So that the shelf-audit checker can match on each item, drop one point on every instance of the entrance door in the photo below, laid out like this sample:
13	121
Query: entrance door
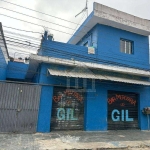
67	109
122	110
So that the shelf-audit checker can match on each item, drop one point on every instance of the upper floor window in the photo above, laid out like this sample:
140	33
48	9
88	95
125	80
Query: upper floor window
126	46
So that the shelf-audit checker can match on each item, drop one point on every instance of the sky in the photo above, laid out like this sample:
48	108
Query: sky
65	9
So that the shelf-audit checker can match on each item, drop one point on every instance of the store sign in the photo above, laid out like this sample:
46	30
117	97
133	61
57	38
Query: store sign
122	110
67	109
118	97
122	115
69	114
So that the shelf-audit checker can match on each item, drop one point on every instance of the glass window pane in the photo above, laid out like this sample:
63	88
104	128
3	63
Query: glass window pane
125	46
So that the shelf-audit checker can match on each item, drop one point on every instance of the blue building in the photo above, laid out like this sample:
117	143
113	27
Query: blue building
97	81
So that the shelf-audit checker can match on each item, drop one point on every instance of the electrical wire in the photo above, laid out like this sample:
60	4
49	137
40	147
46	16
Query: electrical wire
36	24
21	30
22	35
33	10
36	18
58	30
39	12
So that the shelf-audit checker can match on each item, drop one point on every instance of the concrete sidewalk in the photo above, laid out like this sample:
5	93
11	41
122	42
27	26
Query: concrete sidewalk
129	139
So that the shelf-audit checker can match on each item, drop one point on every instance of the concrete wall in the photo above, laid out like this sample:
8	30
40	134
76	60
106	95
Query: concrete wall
121	19
3	66
16	70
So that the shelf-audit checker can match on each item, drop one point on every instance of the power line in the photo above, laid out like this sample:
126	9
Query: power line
21	39
57	30
37	24
22	30
37	18
22	35
39	12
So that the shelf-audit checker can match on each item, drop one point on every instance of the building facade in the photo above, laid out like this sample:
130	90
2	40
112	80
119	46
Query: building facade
97	81
100	78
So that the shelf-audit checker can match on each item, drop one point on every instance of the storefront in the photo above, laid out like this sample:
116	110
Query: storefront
122	110
67	109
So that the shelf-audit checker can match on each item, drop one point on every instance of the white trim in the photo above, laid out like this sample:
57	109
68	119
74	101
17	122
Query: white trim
125	70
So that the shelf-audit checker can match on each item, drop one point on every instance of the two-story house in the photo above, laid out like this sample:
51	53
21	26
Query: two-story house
97	81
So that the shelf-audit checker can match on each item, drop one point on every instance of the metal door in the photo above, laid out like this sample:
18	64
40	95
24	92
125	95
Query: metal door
122	110
67	109
19	104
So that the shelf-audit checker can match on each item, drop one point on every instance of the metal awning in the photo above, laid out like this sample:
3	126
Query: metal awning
90	75
35	60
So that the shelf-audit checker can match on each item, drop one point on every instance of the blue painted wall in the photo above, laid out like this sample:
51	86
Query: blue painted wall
45	109
95	110
109	47
16	70
3	66
65	51
106	41
107	44
96	105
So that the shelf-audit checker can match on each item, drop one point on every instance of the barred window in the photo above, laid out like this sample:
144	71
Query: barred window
126	46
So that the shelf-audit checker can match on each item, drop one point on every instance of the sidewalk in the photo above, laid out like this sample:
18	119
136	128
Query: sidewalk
129	139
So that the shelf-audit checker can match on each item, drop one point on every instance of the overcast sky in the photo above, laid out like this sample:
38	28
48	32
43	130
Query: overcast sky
65	9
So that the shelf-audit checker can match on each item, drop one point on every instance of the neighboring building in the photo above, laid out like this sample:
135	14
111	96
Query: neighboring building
97	81
4	57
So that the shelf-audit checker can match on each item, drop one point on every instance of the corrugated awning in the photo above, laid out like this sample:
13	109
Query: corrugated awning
90	75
